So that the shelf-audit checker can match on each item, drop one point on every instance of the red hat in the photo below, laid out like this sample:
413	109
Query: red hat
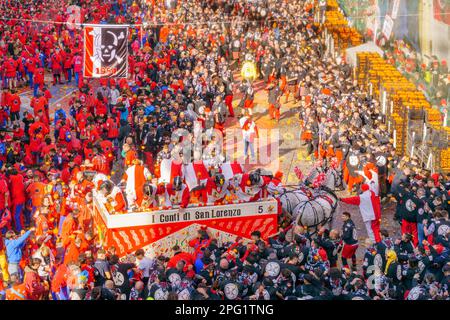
365	187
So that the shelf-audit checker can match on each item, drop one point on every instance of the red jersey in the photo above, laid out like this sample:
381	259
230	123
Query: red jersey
17	189
113	128
3	191
10	67
38	77
14	102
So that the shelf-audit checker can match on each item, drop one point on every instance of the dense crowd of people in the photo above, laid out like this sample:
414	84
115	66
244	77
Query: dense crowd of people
181	70
431	76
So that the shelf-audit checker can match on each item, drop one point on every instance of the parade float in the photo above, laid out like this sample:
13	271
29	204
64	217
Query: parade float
157	231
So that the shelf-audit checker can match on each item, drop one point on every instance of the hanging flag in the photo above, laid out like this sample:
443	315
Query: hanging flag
195	173
170	169
230	169
106	51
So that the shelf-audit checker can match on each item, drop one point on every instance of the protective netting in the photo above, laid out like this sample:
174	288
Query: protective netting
332	177
309	208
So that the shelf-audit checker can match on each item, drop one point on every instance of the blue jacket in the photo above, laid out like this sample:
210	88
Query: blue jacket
14	247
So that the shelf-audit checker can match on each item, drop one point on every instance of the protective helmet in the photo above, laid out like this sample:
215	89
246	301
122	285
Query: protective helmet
177	183
255	177
219	179
107	185
148	189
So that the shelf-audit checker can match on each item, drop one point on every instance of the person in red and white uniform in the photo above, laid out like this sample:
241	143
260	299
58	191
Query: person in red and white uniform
151	193
248	186
215	189
249	133
370	208
274	187
135	177
177	193
370	174
112	197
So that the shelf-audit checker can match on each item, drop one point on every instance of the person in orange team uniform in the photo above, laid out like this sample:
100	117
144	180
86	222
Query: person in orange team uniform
70	227
36	192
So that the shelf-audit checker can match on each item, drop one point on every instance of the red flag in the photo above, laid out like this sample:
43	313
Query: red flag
230	169
194	173
170	169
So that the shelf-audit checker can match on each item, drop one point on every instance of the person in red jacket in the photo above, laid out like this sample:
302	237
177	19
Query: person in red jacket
57	65
38	79
18	132
35	288
77	63
4	97
10	66
178	256
18	198
4	194
113	130
30	68
38	103
108	151
14	104
68	65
